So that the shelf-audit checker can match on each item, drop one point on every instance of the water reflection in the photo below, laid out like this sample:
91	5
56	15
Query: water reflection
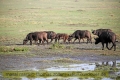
55	79
111	63
24	78
112	66
108	63
74	67
84	66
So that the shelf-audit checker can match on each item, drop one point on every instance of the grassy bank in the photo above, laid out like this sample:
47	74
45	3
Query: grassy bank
14	49
17	18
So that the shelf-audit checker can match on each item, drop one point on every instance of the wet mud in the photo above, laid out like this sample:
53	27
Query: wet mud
44	58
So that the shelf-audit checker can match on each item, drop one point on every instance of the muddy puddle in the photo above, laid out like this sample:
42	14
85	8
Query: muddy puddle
85	71
74	67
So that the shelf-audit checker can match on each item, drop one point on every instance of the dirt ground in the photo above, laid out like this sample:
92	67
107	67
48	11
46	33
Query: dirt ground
41	57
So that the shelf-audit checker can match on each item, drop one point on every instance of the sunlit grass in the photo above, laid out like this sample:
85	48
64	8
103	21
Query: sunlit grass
7	49
18	18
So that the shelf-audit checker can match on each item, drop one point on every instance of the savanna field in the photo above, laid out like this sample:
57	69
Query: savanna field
20	17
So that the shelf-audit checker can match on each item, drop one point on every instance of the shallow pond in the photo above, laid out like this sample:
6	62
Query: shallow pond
83	71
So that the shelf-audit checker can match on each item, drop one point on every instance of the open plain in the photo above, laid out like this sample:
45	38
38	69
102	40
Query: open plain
20	17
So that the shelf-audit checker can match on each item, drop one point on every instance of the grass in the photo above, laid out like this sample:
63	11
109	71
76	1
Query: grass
66	60
107	68
18	18
59	75
12	49
57	46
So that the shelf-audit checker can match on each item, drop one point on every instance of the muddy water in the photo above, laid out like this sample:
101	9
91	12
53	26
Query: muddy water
112	66
80	57
74	67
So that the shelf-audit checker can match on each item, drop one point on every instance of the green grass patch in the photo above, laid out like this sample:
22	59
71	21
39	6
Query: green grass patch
61	46
62	74
18	18
20	49
57	46
12	49
66	60
107	68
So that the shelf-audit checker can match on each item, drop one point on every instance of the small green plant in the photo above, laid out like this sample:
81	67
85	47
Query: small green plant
69	47
5	49
12	49
57	46
118	78
66	60
20	49
107	68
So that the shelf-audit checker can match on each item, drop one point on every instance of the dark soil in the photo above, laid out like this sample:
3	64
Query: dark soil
41	57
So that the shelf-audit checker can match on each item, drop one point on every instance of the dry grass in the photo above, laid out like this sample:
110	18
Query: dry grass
66	60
